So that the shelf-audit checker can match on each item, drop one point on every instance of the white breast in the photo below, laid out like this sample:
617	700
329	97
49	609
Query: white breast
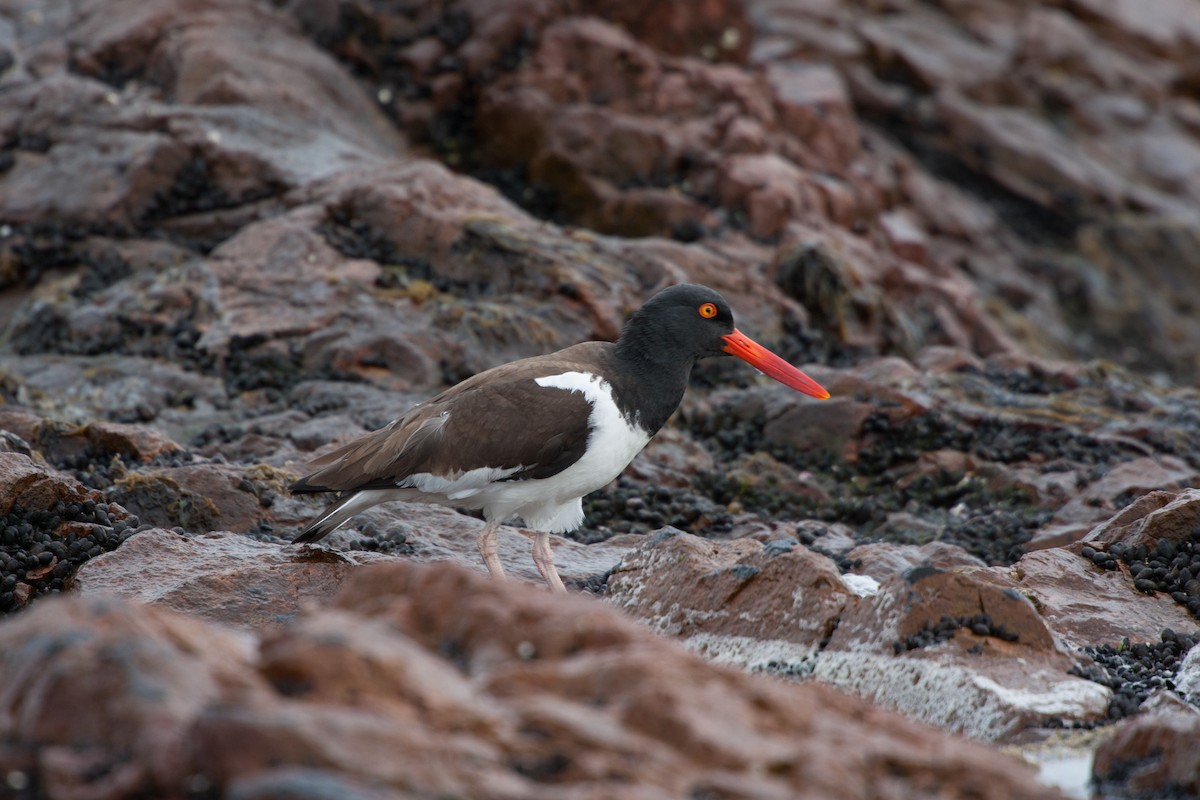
613	441
553	503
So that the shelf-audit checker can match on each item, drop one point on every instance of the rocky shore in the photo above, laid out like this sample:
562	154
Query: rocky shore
235	233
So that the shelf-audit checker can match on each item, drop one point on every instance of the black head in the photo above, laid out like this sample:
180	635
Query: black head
679	324
686	322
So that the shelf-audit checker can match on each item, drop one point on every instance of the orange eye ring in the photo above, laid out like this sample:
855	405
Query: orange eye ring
707	310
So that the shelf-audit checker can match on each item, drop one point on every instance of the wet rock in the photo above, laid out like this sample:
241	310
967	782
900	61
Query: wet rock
220	577
150	674
1159	515
986	699
31	486
882	560
121	388
697	589
66	444
226	241
236	579
1086	604
922	596
50	524
1138	262
970	652
671	459
482	687
197	497
1153	755
1137	671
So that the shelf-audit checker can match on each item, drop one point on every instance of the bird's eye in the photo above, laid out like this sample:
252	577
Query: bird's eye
707	310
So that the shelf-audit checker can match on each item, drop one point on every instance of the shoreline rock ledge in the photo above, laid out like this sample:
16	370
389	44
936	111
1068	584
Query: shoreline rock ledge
432	680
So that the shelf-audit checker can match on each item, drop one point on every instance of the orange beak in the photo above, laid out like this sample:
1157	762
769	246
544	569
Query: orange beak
740	345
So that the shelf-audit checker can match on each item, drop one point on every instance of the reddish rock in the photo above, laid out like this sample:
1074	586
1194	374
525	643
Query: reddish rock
233	579
1158	515
671	459
830	427
815	107
762	472
769	190
32	487
197	497
882	560
717	29
20	423
904	237
131	441
1088	606
922	596
1083	510
221	577
1154	755
439	681
688	586
963	649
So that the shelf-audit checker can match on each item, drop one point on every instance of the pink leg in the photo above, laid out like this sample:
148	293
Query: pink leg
543	557
489	548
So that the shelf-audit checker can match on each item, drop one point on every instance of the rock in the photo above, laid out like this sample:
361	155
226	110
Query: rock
827	427
1153	755
1187	680
882	560
904	237
150	674
671	459
128	440
31	487
122	387
224	252
236	580
963	649
1157	515
1087	605
911	605
1139	260
96	441
220	577
196	497
930	52
473	687
815	107
997	701
692	588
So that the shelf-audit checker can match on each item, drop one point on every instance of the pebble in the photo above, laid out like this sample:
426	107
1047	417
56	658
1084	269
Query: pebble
29	543
931	634
1134	670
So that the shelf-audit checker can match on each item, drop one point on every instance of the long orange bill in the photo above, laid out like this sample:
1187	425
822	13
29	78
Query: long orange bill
740	345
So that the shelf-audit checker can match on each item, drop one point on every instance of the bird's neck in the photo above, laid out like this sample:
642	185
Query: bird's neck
653	383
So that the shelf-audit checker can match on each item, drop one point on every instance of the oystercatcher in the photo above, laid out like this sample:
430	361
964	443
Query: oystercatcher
531	438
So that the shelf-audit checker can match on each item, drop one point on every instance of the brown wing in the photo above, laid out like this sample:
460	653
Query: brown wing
499	419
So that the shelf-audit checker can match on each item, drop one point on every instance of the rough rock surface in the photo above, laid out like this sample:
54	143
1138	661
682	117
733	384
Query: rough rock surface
235	233
1154	755
423	681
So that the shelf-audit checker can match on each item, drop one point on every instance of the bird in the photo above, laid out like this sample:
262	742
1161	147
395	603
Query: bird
531	438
